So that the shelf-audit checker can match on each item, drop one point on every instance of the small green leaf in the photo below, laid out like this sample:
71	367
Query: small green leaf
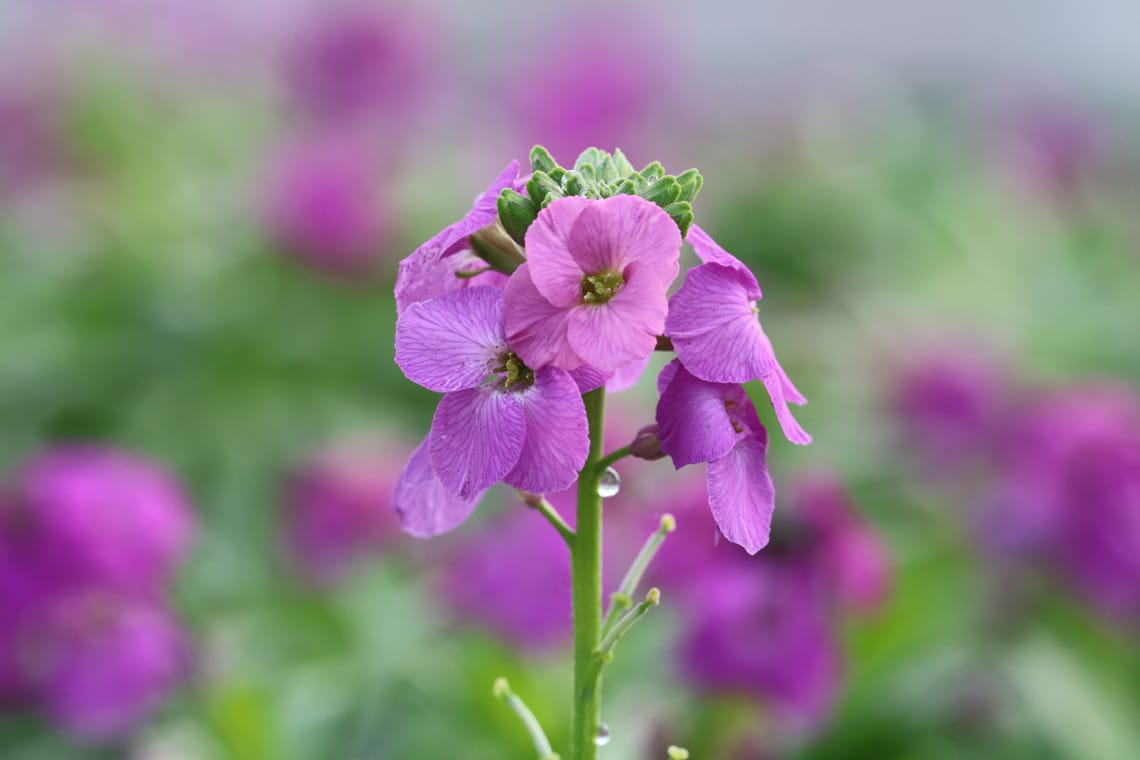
682	213
517	213
653	172
662	192
541	160
573	184
542	189
690	182
589	157
622	165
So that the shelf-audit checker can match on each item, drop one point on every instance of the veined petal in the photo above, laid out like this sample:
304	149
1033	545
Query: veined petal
554	271
741	494
694	424
589	378
425	507
624	328
476	437
557	434
611	233
774	384
483	212
536	329
710	252
452	341
627	375
425	274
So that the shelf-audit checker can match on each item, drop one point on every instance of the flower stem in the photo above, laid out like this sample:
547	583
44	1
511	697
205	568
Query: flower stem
605	651
622	599
502	690
547	510
586	577
612	457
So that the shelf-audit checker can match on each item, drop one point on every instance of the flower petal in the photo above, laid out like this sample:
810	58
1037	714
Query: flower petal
483	212
774	384
557	434
452	341
627	375
610	234
425	274
476	437
425	507
589	378
741	494
710	252
623	329
553	269
694	425
536	329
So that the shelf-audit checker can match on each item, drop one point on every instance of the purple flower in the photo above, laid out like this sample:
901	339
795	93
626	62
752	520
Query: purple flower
1069	493
716	423
359	61
102	516
324	207
340	507
766	632
499	419
713	326
425	506
98	663
432	269
514	579
593	290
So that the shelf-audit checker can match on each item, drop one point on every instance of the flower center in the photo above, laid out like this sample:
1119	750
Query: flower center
513	374
601	287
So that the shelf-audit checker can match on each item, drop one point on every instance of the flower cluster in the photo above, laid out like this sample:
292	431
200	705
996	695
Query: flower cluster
558	283
88	541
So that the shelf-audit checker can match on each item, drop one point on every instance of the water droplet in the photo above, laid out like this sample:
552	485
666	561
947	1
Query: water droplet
609	484
603	737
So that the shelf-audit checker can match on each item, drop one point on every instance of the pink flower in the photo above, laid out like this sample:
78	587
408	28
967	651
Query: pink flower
713	326
716	423
593	290
499	419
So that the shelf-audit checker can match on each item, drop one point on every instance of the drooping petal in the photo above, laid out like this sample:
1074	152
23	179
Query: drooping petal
611	233
741	494
694	425
476	437
483	212
774	384
589	378
623	329
554	270
453	341
536	329
425	507
557	434
710	252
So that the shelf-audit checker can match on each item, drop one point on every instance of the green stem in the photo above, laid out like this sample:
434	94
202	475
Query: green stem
586	577
612	457
547	510
605	651
502	690
622	599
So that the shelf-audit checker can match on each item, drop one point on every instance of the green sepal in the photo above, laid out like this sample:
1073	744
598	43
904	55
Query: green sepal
541	160
573	183
498	258
542	189
516	212
691	182
625	187
682	213
662	192
653	172
622	165
589	157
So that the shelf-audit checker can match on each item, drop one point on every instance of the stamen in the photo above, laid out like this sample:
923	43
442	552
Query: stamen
601	287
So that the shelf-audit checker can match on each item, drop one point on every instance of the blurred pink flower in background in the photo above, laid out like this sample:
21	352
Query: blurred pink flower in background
89	539
1068	493
325	205
360	61
31	144
1050	148
339	506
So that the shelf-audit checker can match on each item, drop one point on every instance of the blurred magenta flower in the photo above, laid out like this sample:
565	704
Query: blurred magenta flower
1050	148
339	506
98	663
101	516
325	206
593	290
512	578
360	60
1069	492
950	408
32	146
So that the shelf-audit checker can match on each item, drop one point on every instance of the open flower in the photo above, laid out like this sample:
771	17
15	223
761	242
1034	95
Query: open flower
499	419
716	423
435	267
593	290
713	327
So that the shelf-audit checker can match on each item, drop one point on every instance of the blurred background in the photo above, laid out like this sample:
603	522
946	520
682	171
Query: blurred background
202	205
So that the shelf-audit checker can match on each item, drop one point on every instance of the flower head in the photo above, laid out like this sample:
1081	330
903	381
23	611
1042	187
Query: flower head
593	290
499	419
713	326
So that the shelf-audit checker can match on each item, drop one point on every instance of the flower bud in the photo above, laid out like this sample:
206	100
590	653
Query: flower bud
646	444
